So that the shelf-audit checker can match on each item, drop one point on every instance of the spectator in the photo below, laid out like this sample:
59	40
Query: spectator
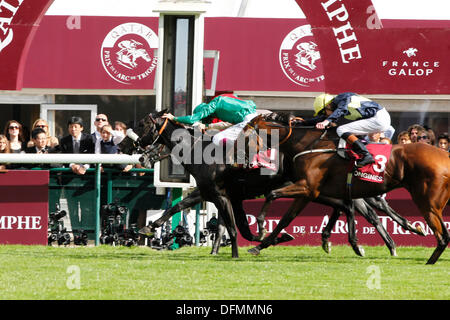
443	141
423	137
374	137
39	138
431	135
77	142
4	148
413	132
120	126
109	146
403	138
101	120
43	124
14	134
385	140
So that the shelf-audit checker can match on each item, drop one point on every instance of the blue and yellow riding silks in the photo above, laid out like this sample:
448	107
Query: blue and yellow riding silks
225	108
353	107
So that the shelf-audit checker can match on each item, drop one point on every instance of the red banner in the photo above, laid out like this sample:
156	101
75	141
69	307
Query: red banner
93	53
24	207
18	22
308	225
358	54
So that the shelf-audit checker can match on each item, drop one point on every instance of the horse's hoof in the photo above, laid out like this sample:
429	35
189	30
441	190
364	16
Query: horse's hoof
420	231
359	251
362	253
326	246
254	251
394	252
146	231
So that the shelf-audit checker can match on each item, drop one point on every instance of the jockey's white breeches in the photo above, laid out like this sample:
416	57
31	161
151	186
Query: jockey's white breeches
231	134
378	123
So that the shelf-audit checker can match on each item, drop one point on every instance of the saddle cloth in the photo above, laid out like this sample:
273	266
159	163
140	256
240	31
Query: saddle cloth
265	159
373	172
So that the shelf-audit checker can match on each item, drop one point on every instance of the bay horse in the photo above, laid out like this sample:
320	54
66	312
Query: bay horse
253	184
423	170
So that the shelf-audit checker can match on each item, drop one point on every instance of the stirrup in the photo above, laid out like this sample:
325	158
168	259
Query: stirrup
365	161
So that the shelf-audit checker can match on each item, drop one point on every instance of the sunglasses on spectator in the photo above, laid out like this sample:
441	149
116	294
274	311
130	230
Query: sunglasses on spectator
41	126
422	137
13	127
100	119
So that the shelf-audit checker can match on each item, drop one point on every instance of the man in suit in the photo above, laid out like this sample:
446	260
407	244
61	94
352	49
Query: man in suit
77	142
39	138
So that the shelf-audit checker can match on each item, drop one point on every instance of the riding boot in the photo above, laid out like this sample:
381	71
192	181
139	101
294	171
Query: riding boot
361	150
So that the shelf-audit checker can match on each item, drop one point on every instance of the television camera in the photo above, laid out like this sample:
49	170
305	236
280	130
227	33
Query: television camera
56	230
114	226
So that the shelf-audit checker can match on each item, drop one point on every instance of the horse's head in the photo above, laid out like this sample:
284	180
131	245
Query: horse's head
144	134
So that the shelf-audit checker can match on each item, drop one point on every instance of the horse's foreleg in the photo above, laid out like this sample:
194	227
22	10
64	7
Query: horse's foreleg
218	236
241	220
260	219
191	200
326	232
296	207
225	209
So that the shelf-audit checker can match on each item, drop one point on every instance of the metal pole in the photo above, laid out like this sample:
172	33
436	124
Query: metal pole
98	184
197	224
177	195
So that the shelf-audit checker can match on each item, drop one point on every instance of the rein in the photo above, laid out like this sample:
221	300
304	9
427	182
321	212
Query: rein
312	144
312	151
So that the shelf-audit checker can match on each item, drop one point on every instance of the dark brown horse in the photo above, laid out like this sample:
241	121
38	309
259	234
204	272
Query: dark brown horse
421	169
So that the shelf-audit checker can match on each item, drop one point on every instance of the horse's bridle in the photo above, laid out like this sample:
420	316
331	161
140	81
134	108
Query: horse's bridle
153	152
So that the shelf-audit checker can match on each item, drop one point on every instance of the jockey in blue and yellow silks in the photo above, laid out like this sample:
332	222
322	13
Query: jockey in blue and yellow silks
362	115
225	107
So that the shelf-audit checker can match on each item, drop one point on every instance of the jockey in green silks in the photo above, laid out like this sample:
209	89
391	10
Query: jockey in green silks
236	113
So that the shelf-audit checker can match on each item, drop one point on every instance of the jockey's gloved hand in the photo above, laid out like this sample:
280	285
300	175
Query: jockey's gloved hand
200	126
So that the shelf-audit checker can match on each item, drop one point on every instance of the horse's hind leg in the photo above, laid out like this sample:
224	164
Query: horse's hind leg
382	205
441	234
370	215
431	206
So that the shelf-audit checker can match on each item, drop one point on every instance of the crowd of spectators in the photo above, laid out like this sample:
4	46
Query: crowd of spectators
414	134
104	140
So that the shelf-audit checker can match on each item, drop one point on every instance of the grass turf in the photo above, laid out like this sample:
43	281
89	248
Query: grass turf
191	273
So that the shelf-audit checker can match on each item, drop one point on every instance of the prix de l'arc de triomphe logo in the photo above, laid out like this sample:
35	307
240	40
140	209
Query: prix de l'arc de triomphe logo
300	57
128	52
